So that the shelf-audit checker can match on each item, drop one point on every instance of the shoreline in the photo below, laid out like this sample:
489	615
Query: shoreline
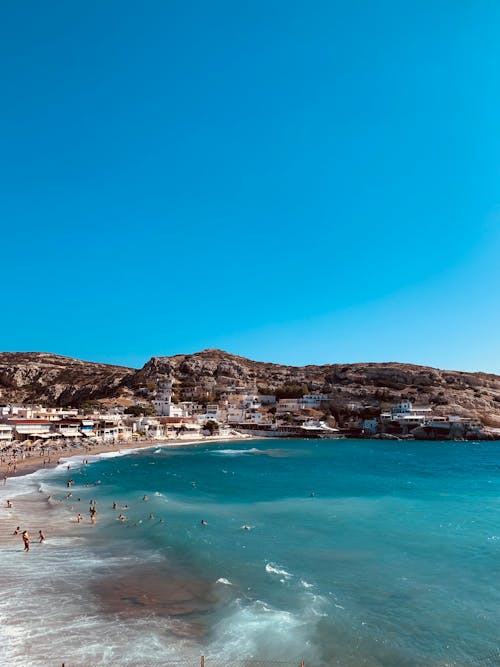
19	467
31	508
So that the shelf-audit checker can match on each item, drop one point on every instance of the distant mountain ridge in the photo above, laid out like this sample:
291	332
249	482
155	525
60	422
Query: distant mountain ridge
35	377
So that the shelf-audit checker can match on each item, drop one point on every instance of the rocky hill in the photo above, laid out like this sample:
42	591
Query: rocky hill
37	377
362	388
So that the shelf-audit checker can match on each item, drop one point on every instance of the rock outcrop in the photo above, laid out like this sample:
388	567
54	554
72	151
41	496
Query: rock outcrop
37	377
362	388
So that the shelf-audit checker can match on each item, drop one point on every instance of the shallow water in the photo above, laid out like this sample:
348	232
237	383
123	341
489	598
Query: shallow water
392	562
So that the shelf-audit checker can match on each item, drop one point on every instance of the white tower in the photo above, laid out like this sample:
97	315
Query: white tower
163	399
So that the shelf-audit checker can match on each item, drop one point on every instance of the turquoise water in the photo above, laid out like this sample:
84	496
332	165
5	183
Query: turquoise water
359	553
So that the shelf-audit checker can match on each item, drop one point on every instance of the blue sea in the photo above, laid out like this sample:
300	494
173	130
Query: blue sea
349	553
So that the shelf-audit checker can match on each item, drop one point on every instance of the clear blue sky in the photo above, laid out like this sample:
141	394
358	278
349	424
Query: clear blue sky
299	182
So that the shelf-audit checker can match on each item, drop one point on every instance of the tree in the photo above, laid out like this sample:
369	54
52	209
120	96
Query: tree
291	391
211	426
89	406
138	410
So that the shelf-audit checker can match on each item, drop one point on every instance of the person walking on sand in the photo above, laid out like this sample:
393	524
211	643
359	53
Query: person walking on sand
26	540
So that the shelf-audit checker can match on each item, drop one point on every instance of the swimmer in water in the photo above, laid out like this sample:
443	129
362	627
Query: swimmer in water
204	523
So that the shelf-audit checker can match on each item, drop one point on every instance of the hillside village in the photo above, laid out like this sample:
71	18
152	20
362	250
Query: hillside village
158	413
48	398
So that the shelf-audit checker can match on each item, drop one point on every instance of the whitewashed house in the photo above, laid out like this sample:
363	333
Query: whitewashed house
163	401
314	400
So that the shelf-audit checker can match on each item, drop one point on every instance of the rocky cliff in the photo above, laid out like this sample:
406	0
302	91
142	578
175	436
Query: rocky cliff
37	377
362	388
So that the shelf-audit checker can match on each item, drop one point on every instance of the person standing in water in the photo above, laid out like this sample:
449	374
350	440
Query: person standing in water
26	540
42	537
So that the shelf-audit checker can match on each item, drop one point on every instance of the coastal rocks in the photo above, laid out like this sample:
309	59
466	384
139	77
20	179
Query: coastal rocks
455	432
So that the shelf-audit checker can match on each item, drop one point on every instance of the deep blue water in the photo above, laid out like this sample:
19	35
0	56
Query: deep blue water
375	553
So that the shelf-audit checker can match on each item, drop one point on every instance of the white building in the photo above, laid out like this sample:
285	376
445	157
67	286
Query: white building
251	401
32	429
6	432
37	412
289	405
235	415
212	411
163	401
150	426
407	415
314	400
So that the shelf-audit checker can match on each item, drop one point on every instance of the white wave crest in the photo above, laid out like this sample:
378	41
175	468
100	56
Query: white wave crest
272	568
236	452
226	582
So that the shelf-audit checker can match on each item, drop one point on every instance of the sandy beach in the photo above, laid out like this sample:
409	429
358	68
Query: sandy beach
32	459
